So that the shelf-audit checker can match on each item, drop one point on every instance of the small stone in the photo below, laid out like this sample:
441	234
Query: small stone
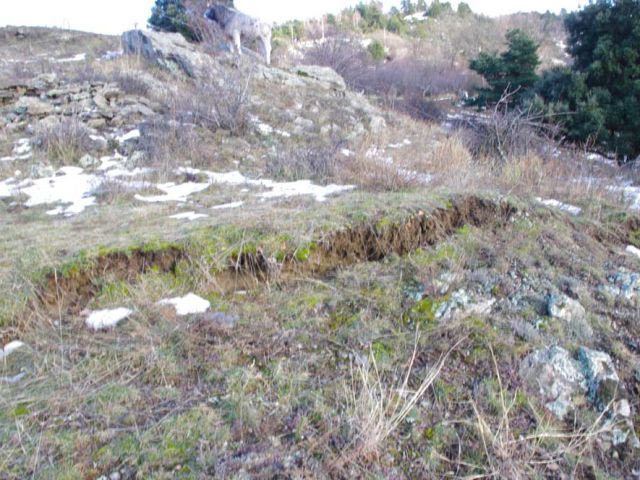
97	123
33	106
115	476
377	124
88	161
221	319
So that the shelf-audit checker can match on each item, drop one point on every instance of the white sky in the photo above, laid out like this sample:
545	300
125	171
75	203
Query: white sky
116	16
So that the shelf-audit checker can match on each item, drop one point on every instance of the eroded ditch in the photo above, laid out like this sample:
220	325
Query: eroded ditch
70	291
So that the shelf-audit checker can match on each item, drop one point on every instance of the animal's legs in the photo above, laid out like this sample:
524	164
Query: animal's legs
266	44
237	43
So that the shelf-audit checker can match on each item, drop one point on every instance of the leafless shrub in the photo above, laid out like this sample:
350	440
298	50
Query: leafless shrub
315	160
220	103
65	141
166	143
509	132
345	55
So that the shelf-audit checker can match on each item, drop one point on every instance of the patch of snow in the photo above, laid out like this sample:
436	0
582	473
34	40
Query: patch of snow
264	129
21	151
123	172
188	305
228	205
13	379
9	348
112	54
573	210
174	193
558	62
302	187
596	157
80	57
632	194
191	216
69	186
103	319
404	143
633	250
133	134
235	178
346	152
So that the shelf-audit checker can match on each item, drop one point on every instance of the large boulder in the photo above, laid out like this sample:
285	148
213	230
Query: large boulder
555	376
166	50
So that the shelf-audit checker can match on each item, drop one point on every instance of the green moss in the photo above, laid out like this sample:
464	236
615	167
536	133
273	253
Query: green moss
382	351
302	254
634	238
424	311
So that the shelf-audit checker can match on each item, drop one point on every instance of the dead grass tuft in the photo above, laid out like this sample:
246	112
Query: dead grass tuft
63	142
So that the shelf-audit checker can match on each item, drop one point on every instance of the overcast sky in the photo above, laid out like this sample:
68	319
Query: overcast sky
116	16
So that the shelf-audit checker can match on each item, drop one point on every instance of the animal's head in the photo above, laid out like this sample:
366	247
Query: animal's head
218	13
210	13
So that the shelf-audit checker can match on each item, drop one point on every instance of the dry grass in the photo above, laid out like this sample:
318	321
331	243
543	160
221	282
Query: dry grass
376	410
501	444
63	142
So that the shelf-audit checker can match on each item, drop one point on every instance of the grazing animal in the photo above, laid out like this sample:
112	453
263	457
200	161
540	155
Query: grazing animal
236	25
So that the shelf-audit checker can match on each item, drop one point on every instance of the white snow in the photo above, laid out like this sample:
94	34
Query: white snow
573	210
9	348
187	305
80	57
276	189
133	134
404	143
191	216
633	251
102	319
21	151
228	205
632	194
301	187
69	186
174	193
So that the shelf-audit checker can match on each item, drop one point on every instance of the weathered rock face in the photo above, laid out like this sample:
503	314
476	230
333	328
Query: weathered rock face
572	313
166	50
48	100
555	376
601	376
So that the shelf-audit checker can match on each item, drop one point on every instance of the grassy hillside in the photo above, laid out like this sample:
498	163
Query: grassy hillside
260	273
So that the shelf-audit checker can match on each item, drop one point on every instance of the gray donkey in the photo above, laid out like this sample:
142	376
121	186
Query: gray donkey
236	25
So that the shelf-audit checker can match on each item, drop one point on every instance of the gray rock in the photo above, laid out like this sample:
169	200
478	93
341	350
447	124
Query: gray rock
565	308
623	284
97	123
572	312
42	171
555	376
33	106
169	51
221	320
377	124
325	77
87	161
601	376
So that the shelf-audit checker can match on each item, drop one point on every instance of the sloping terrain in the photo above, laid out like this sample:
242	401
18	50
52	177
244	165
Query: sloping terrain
214	269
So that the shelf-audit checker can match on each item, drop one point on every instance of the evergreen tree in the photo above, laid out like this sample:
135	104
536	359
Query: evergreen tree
464	9
171	16
604	41
407	7
512	71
